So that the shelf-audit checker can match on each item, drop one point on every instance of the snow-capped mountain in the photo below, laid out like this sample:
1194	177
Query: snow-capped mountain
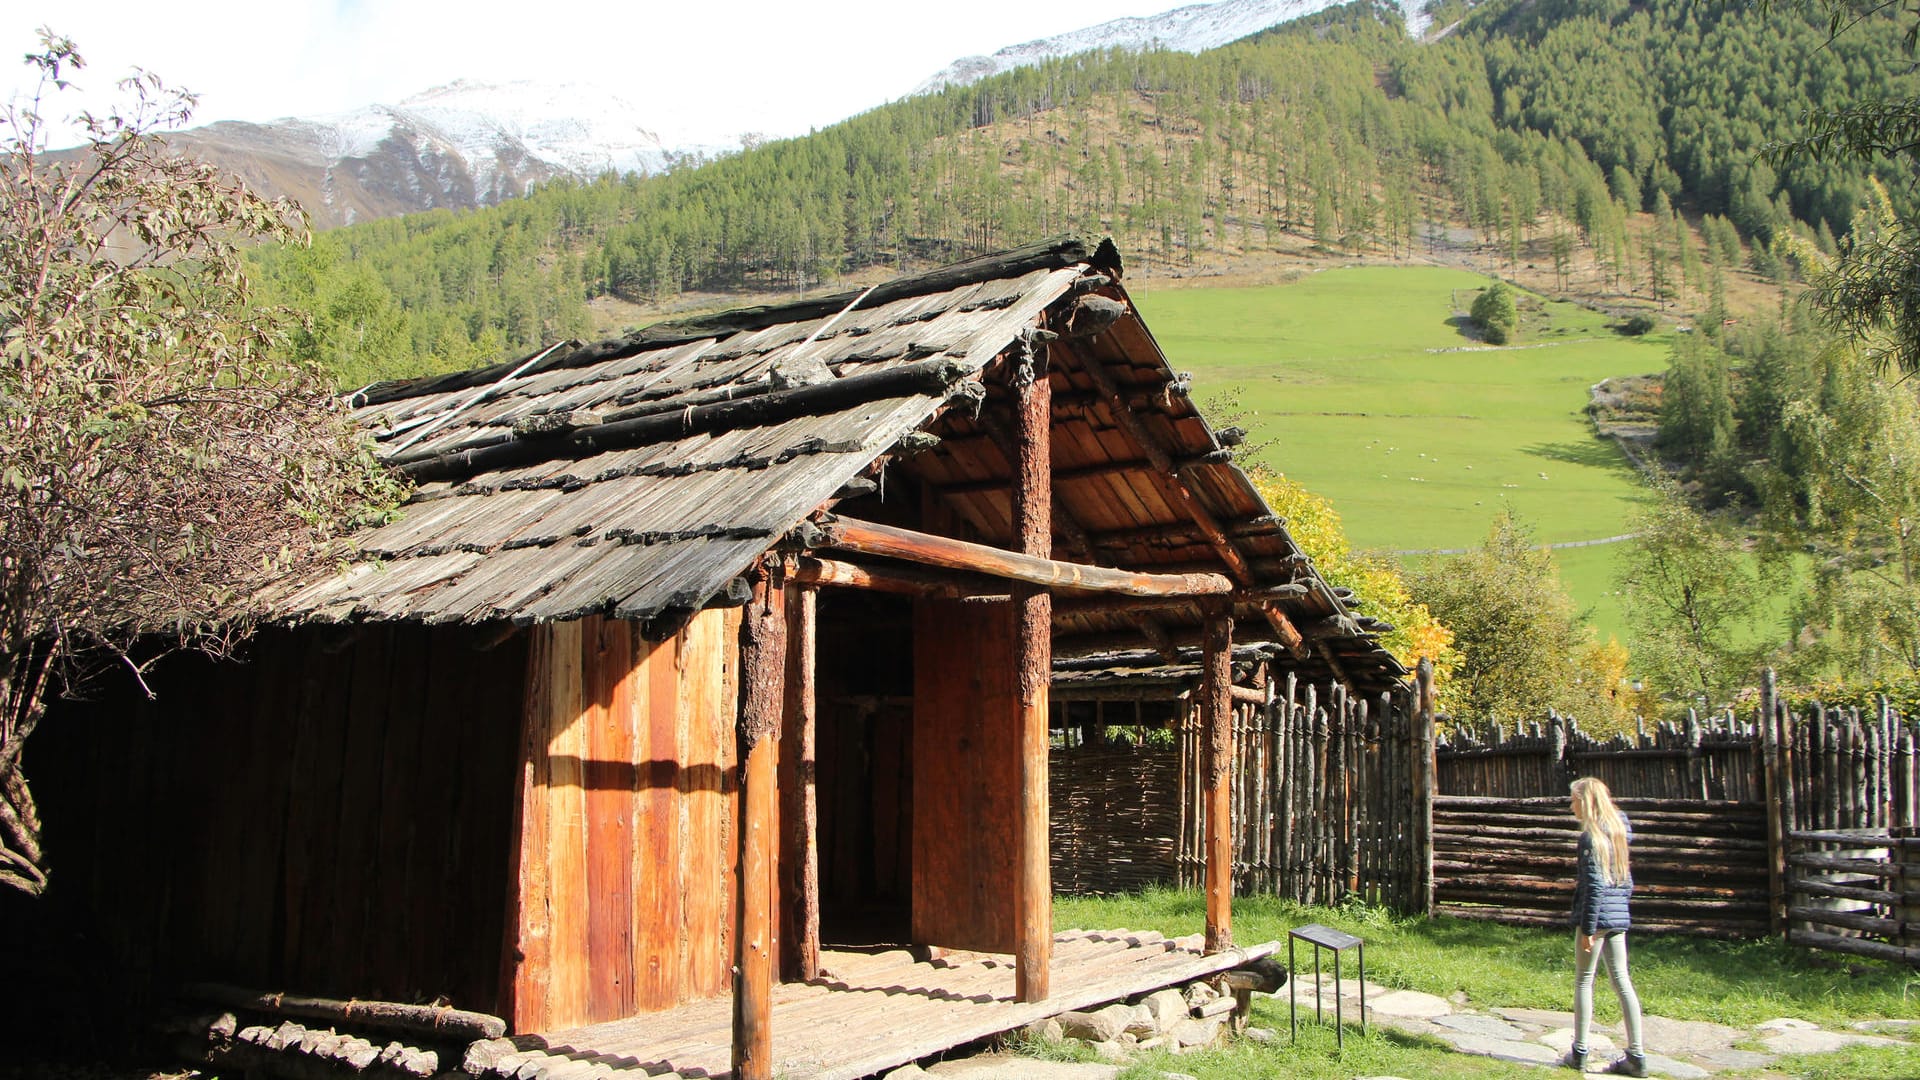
471	144
457	146
1188	29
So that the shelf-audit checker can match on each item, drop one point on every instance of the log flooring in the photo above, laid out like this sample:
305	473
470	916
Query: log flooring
870	1012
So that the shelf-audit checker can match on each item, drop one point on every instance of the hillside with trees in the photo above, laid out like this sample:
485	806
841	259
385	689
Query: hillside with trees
1551	129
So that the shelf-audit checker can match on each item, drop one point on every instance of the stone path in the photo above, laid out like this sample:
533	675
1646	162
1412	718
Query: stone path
1683	1049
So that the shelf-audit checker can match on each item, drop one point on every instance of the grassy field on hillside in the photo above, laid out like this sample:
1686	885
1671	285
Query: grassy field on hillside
1362	384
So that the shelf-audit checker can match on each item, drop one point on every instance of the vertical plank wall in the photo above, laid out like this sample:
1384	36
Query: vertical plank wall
623	897
329	815
966	775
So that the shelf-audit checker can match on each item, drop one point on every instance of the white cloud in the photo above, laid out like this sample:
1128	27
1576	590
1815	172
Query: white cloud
715	67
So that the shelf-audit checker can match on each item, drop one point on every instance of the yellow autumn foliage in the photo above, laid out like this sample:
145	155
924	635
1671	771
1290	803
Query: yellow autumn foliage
1315	525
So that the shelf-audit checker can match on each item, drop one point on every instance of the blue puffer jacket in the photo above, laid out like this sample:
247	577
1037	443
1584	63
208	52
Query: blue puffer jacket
1597	905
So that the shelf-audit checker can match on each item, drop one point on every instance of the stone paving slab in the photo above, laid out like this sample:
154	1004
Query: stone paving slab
1904	1028
1544	1018
1736	1059
1491	1027
1599	1046
1500	1049
1660	1065
1816	1041
1688	1036
1411	1025
1410	1004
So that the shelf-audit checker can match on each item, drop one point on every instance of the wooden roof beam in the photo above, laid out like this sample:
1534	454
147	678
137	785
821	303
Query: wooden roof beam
907	545
1069	533
1179	530
1167	474
1084	472
1253	597
897	580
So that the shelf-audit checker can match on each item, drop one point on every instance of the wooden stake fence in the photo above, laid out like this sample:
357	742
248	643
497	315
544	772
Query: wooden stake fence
1335	797
1324	803
1804	808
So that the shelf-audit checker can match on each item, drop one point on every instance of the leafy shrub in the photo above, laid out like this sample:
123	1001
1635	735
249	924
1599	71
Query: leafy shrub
1638	325
1495	312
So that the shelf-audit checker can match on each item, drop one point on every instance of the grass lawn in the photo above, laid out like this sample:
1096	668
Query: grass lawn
1740	984
1360	384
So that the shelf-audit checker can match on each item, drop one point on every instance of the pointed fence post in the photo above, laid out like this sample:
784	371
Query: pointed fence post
1423	786
1775	777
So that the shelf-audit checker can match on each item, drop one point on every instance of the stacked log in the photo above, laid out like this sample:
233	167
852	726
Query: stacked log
1699	866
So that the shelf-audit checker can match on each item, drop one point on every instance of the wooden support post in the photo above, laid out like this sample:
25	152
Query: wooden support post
763	668
799	813
1216	723
1033	644
1423	786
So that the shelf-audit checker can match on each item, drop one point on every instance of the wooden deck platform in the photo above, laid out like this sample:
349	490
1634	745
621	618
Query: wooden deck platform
869	1012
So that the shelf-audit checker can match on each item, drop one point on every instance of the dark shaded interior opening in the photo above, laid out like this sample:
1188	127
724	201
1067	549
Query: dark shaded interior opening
865	767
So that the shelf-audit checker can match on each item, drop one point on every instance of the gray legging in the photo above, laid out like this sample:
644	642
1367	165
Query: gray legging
1613	947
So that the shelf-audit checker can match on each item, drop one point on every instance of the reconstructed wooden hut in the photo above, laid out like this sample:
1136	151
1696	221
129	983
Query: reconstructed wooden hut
695	649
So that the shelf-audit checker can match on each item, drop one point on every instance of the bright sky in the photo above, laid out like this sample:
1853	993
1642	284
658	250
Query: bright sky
708	67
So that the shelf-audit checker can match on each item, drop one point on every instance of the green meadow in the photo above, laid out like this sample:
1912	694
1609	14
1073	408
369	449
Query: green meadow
1361	384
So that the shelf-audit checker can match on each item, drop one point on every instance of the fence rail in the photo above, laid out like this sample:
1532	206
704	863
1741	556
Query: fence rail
1855	891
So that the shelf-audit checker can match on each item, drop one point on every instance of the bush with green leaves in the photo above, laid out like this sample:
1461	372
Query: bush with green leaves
1496	313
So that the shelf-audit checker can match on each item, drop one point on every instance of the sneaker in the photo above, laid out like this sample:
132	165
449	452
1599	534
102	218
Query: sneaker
1575	1059
1631	1064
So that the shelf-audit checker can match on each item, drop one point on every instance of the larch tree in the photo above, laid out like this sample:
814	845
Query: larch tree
1523	646
158	457
1689	590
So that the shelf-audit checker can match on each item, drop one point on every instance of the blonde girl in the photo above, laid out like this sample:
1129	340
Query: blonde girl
1602	892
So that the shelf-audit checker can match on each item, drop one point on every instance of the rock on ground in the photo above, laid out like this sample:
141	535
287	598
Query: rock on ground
1815	1041
1014	1067
1167	1007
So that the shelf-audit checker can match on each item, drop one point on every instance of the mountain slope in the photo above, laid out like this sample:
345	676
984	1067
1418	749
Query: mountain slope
458	146
1563	133
1190	29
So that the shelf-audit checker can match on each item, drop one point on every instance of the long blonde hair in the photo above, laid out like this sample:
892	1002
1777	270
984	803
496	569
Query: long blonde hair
1605	828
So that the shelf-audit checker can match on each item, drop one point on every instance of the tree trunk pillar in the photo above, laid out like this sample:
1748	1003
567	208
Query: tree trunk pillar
799	811
763	667
1033	637
1216	723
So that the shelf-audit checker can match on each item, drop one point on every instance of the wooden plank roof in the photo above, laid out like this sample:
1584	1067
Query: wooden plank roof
639	476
